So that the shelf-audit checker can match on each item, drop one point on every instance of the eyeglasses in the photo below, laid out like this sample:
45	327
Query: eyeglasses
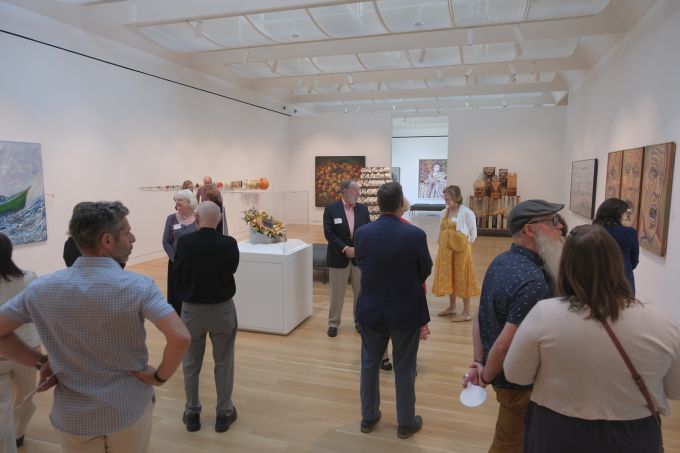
553	220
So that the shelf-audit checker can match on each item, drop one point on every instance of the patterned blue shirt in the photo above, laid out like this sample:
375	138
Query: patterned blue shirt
514	282
91	320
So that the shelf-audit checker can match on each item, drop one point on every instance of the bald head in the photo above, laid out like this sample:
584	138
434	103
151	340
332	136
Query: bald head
207	180
208	214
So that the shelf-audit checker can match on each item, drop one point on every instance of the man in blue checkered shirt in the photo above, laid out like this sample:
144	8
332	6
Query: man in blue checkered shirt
91	320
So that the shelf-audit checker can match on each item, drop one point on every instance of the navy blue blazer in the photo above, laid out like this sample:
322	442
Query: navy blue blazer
337	231
627	239
394	262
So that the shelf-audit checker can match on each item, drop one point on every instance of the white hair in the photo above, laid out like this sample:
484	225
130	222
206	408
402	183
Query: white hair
188	195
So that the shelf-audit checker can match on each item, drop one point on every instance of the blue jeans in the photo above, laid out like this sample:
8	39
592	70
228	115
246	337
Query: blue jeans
404	351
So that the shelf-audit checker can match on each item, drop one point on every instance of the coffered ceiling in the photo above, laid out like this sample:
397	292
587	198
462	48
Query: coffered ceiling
411	57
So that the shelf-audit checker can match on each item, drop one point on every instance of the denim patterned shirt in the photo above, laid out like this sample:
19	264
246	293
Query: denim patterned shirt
91	320
514	282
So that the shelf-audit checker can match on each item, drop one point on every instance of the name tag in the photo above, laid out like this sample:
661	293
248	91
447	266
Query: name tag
177	226
337	220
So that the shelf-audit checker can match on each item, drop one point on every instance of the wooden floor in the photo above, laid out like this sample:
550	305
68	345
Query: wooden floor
300	393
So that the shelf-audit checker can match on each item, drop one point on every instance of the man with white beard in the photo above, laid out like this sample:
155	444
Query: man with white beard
514	282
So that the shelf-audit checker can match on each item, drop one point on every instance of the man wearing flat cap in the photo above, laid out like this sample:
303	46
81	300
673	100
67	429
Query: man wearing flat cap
514	282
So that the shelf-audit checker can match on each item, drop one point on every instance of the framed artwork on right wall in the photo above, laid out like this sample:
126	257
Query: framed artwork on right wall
631	177
583	183
655	197
612	188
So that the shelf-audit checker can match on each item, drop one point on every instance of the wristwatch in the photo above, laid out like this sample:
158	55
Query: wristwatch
41	361
158	379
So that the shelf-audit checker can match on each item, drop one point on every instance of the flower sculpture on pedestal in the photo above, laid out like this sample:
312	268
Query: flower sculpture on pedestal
264	228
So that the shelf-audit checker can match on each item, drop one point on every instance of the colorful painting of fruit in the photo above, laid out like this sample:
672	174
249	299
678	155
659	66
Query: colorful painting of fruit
329	172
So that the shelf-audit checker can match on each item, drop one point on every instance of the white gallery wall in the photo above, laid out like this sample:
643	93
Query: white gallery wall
631	99
106	131
528	142
335	135
407	151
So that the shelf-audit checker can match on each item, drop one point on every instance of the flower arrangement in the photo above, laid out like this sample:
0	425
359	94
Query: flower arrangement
263	223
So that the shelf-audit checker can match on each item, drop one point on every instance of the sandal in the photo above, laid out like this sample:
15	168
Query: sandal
386	365
448	312
462	319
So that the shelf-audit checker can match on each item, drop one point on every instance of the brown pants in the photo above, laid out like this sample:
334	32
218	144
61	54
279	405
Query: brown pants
509	435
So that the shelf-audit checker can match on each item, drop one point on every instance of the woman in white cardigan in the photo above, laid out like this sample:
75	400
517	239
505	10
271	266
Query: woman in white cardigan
584	397
16	380
453	272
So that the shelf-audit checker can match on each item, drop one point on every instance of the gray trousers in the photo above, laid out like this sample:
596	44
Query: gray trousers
219	321
338	284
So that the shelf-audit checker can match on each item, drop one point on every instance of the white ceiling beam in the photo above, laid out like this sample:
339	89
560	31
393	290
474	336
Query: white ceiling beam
606	22
556	85
575	62
154	12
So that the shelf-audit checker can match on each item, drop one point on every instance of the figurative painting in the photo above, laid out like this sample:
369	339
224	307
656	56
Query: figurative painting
655	197
582	194
631	177
329	172
612	188
396	174
432	178
22	196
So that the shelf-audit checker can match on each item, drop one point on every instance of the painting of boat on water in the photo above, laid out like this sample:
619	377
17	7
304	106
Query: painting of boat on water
22	195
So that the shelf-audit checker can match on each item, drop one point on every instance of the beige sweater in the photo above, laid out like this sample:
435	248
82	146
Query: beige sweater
11	288
577	371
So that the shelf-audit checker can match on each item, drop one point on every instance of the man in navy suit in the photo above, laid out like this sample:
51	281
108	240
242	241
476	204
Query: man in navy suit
394	262
340	221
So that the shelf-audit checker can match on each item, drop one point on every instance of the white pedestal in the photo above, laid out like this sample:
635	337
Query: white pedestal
273	286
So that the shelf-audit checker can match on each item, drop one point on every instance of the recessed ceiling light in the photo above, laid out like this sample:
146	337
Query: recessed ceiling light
418	23
295	35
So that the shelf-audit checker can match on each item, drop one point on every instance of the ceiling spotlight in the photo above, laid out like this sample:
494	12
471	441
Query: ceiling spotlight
358	108
513	78
380	84
350	80
339	89
405	119
295	35
310	90
421	56
470	37
533	67
244	59
467	104
537	77
274	66
345	109
299	82
439	110
418	23
504	104
512	69
468	73
440	75
199	29
394	107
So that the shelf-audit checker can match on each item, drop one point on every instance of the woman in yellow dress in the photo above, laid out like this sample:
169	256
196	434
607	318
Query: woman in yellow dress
453	272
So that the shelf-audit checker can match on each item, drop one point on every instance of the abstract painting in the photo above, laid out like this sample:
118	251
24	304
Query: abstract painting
631	177
582	194
22	195
655	198
329	172
432	178
612	188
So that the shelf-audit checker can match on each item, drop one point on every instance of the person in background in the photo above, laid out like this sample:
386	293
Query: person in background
609	215
454	274
187	184
213	194
16	380
394	261
91	318
178	224
514	282
341	219
205	263
201	191
584	397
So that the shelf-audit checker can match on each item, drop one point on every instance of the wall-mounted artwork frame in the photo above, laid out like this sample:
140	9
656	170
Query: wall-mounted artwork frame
612	187
432	178
22	194
329	172
396	174
655	197
582	192
631	177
